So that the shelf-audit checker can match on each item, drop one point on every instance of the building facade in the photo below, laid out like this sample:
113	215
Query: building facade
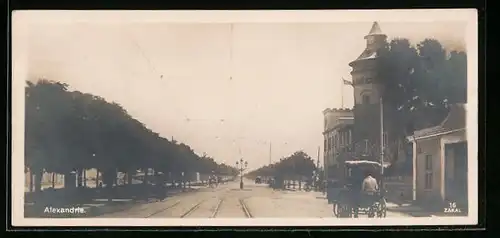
440	161
367	94
337	134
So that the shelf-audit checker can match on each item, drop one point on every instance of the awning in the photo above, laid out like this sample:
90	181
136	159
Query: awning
366	162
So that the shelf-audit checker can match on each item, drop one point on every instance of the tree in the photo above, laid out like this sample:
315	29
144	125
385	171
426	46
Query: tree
73	131
45	146
297	164
420	82
303	164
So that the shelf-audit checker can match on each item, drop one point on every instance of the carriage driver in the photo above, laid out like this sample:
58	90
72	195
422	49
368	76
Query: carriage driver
369	186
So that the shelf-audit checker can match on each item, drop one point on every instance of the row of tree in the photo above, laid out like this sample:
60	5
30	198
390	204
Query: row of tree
69	131
420	83
297	165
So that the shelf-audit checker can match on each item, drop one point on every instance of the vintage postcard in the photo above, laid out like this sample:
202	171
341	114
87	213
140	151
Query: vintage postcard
244	118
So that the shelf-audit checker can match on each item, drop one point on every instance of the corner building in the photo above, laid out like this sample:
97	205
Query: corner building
368	91
361	124
337	134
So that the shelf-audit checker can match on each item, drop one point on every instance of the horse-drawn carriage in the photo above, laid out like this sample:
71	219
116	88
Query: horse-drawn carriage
346	196
213	181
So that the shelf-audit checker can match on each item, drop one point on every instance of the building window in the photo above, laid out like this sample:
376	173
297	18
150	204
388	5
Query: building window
428	172
325	145
370	40
366	99
428	162
337	141
350	137
428	180
334	144
343	139
386	139
366	147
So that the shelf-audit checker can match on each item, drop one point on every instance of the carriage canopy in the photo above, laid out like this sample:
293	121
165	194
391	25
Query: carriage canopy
365	165
352	163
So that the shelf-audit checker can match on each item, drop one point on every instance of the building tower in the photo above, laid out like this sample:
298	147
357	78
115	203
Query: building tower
367	94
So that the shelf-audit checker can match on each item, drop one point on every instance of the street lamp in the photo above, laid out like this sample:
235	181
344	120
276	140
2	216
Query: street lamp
241	165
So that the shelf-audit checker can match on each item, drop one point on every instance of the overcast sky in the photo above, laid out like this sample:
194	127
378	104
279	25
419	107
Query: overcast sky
226	94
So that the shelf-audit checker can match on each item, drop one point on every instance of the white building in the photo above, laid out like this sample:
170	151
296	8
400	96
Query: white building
440	161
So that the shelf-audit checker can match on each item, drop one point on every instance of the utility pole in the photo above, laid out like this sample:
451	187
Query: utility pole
316	177
270	150
342	92
317	162
381	140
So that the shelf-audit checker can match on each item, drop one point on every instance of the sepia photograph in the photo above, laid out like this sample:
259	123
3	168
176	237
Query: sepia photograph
247	118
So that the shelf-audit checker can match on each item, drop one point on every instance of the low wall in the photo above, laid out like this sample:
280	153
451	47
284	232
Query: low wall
399	189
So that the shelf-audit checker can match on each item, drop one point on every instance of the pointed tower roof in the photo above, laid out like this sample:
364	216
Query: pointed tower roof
375	30
371	50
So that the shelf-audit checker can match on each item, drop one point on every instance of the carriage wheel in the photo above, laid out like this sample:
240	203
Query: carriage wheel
342	210
336	209
382	209
345	211
372	211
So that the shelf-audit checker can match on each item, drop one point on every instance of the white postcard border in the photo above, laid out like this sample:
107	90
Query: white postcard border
19	76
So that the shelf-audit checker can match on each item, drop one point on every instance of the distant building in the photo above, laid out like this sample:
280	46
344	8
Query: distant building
337	133
440	161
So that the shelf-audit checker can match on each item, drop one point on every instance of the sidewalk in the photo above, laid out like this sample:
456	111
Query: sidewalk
409	209
406	209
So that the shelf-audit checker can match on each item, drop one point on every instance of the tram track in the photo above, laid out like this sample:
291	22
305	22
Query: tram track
176	203
245	208
210	206
225	201
163	209
217	207
192	209
185	214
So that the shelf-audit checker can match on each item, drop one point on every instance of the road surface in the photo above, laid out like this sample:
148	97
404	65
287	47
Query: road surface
228	201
